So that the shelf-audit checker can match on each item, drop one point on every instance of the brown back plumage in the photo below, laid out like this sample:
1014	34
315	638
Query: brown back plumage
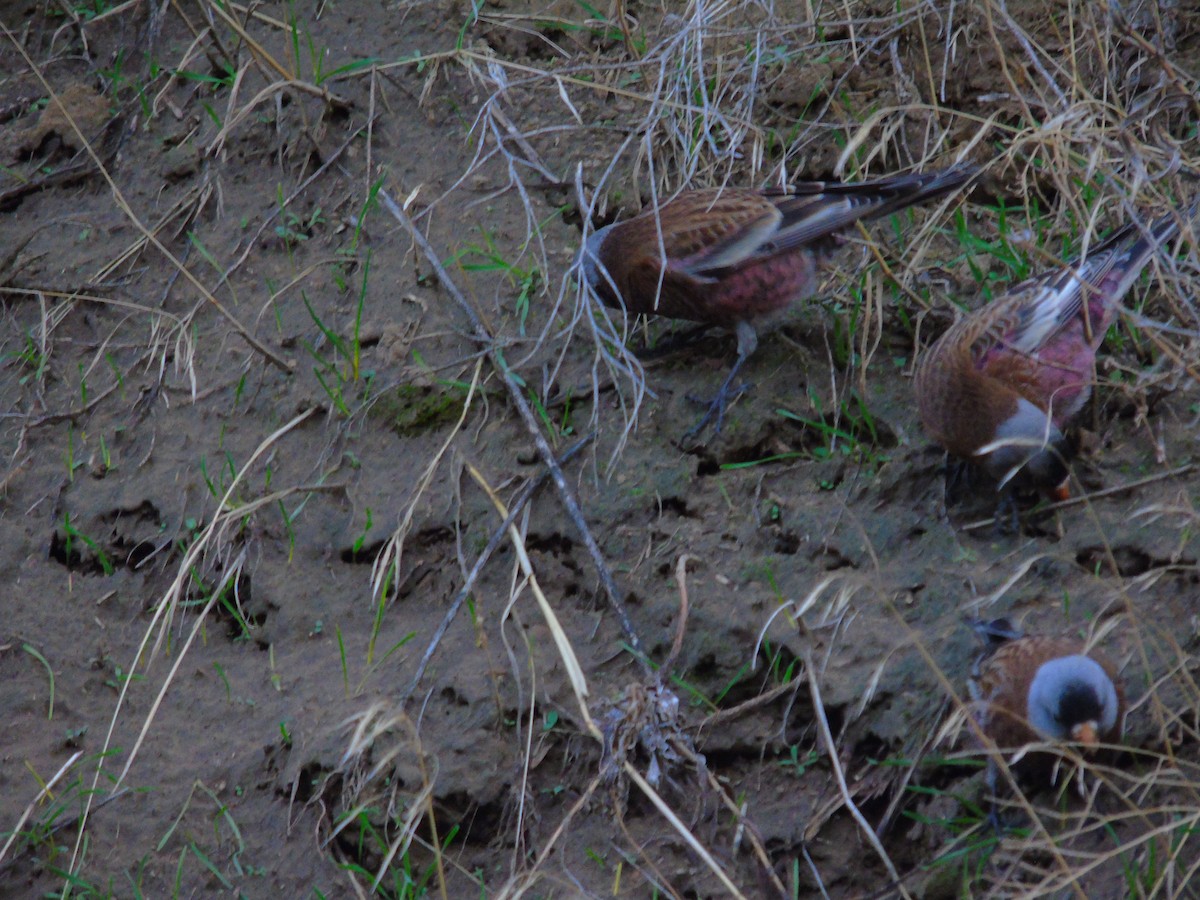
1002	678
725	255
1036	343
1001	682
957	405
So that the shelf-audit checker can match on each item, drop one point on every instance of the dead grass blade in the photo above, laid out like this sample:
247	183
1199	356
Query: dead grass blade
865	828
565	493
119	199
164	613
522	498
563	643
388	562
681	829
45	791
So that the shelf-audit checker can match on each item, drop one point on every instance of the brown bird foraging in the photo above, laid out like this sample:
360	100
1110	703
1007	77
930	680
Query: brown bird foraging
739	258
1036	689
1000	386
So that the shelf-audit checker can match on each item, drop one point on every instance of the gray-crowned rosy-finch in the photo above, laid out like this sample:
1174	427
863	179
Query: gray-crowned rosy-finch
1001	384
739	258
1034	689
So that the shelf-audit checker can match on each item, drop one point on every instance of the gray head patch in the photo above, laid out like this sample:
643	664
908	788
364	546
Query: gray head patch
1028	448
1069	674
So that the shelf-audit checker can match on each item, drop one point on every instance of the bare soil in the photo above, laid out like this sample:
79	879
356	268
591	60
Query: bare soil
242	416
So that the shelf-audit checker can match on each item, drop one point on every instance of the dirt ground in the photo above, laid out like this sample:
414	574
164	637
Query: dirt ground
253	447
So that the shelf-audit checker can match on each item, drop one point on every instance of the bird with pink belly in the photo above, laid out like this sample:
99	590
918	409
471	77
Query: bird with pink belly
1000	386
738	258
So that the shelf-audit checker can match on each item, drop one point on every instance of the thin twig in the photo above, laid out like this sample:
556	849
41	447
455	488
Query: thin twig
44	791
513	892
63	177
566	495
664	671
119	198
747	827
1086	498
531	155
1034	60
72	414
722	716
514	510
265	59
836	764
562	642
299	189
682	830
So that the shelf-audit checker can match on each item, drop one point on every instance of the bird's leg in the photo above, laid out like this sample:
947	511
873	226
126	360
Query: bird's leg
994	819
993	781
717	406
747	344
958	478
1006	519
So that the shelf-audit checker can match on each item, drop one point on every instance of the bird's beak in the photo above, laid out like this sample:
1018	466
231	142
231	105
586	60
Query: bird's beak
1085	733
1061	493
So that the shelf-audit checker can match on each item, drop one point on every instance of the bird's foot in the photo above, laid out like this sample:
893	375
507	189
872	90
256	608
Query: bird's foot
995	821
1007	519
958	480
716	409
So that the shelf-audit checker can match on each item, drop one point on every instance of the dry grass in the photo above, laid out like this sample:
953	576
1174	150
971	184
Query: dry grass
1083	116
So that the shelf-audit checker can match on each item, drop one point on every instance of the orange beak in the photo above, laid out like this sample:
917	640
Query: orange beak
1060	493
1085	733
